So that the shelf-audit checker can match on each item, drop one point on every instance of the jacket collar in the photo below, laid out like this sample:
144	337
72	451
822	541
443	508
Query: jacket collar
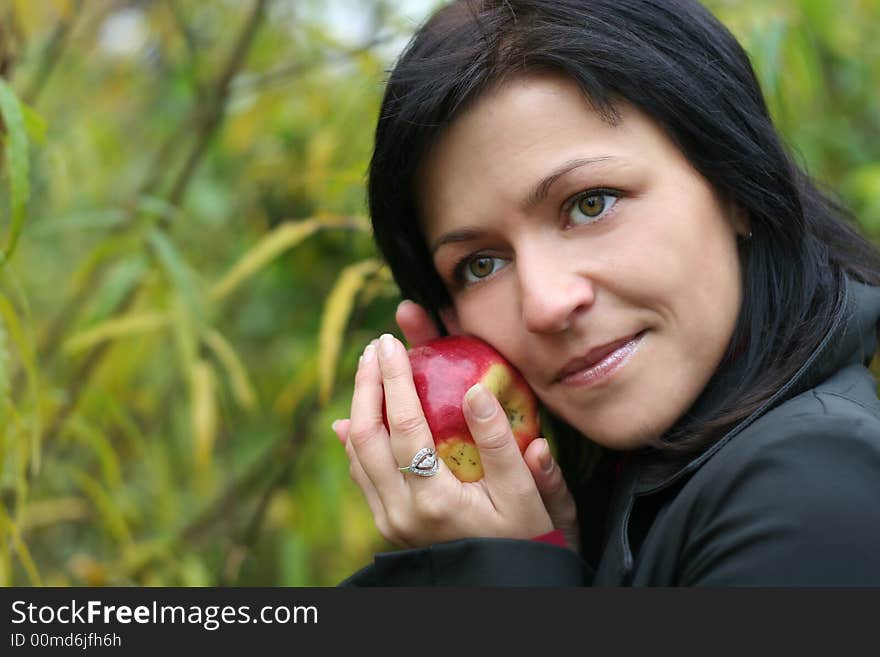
852	340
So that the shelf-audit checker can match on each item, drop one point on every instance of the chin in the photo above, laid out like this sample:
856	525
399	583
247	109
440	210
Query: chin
620	433
624	441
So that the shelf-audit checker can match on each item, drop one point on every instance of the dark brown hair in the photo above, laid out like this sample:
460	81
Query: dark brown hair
673	60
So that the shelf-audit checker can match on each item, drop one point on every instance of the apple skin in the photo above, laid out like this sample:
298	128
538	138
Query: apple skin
443	371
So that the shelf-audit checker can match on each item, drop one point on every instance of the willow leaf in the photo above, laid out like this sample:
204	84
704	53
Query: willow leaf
203	408
335	317
34	124
16	143
108	512
108	248
120	281
284	237
125	326
5	399
5	374
242	389
51	511
111	469
380	285
177	270
20	547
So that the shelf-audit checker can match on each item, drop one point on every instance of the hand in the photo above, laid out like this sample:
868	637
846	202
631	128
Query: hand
546	475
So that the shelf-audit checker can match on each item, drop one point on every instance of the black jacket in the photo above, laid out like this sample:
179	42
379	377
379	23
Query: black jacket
789	497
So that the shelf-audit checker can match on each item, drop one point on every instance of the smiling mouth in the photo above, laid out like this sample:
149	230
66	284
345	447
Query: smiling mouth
590	370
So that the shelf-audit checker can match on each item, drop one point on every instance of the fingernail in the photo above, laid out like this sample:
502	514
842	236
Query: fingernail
546	459
403	303
335	427
386	344
369	354
481	402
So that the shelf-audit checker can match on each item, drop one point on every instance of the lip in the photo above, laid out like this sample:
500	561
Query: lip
599	361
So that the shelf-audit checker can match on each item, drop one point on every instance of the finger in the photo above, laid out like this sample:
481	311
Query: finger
499	452
406	420
363	482
340	428
554	491
367	433
415	323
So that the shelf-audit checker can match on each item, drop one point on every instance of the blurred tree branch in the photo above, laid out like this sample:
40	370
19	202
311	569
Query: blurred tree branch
207	116
286	454
280	457
281	74
214	104
189	35
11	41
52	53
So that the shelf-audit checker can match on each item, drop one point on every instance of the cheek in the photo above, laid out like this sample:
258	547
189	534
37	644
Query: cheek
687	256
492	314
704	293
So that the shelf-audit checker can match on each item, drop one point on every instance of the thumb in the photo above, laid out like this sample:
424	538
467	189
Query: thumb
499	452
554	491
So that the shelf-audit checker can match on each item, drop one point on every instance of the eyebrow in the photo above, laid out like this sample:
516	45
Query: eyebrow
541	189
538	194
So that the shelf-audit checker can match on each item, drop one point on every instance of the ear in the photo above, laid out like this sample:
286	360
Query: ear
450	320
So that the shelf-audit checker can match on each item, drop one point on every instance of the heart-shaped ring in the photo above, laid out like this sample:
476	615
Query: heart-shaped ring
425	463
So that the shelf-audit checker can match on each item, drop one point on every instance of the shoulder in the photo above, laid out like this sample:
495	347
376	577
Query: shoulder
793	498
822	426
835	423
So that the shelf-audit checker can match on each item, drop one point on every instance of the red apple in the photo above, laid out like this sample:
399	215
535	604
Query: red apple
443	371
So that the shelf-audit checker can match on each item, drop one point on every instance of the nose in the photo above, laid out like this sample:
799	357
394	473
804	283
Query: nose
553	290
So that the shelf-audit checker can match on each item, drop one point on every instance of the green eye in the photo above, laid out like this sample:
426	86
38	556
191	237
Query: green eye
481	267
475	269
593	205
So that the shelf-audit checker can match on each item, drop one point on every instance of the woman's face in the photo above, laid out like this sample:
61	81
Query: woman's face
557	233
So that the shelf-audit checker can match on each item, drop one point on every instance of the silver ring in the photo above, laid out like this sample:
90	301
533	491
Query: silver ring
425	463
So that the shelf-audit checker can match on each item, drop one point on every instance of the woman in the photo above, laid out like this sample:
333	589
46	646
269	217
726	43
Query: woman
597	190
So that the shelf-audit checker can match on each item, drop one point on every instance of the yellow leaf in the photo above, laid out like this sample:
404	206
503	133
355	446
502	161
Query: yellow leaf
242	389
15	542
21	340
276	242
118	327
381	285
335	318
203	409
185	333
52	511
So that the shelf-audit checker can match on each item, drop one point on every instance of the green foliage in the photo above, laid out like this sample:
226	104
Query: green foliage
18	163
819	65
188	277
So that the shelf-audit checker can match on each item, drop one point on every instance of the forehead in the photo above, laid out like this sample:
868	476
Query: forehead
516	134
520	114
